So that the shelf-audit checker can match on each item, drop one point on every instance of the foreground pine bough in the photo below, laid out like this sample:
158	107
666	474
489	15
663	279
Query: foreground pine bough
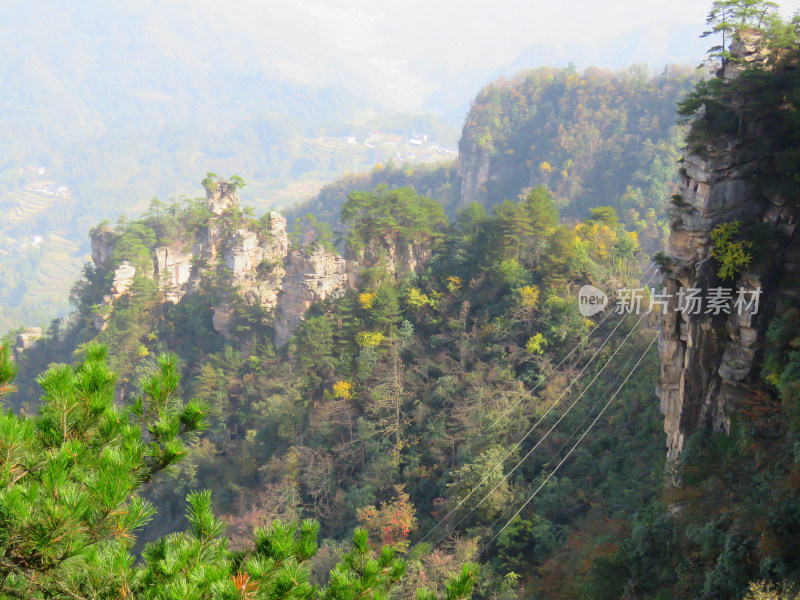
69	509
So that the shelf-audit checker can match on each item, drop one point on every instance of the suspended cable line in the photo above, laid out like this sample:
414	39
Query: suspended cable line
571	450
547	434
528	394
632	355
544	416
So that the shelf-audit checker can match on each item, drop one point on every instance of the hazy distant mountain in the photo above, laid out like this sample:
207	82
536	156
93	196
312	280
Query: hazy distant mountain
648	44
115	102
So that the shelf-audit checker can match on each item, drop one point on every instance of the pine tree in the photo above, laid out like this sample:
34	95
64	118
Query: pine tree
68	477
544	216
69	508
728	16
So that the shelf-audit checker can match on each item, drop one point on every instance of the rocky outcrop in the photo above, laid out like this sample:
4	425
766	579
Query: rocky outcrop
310	277
319	274
746	48
256	263
27	338
254	257
123	279
102	240
473	166
120	284
396	256
259	264
709	362
222	319
173	270
221	196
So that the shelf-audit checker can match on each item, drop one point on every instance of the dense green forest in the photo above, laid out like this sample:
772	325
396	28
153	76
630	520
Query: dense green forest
457	429
596	137
346	424
592	137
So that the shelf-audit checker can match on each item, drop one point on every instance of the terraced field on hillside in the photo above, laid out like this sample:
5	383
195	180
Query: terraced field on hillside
37	266
21	206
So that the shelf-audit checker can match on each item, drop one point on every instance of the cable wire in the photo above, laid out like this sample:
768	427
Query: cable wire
541	419
588	415
585	433
546	435
563	360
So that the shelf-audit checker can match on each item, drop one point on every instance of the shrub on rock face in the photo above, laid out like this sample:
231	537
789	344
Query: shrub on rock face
730	251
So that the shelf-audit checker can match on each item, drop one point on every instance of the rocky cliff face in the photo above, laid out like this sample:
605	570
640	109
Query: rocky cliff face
396	256
473	165
256	264
26	339
262	267
710	363
255	260
310	277
120	284
102	239
221	197
173	269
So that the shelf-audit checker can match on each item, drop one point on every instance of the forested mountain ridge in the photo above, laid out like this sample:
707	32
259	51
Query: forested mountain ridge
588	136
596	137
437	391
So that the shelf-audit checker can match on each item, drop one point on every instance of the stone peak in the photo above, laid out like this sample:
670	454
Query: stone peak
221	196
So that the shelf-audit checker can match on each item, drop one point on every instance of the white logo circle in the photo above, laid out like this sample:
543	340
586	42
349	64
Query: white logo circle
591	300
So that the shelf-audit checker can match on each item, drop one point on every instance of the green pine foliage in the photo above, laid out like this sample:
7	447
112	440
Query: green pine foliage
70	505
398	214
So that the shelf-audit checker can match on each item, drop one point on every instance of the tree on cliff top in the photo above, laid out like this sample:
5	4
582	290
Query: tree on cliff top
728	16
382	212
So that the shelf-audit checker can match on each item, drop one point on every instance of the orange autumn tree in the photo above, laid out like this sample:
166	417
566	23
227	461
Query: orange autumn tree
392	523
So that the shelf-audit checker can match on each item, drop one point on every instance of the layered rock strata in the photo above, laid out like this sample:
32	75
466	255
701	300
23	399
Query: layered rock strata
710	362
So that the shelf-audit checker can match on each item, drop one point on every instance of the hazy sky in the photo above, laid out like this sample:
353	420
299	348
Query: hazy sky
476	31
412	44
409	54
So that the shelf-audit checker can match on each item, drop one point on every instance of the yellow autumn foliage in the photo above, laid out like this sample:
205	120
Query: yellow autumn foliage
528	296
343	389
369	339
366	300
454	283
536	344
598	238
416	300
